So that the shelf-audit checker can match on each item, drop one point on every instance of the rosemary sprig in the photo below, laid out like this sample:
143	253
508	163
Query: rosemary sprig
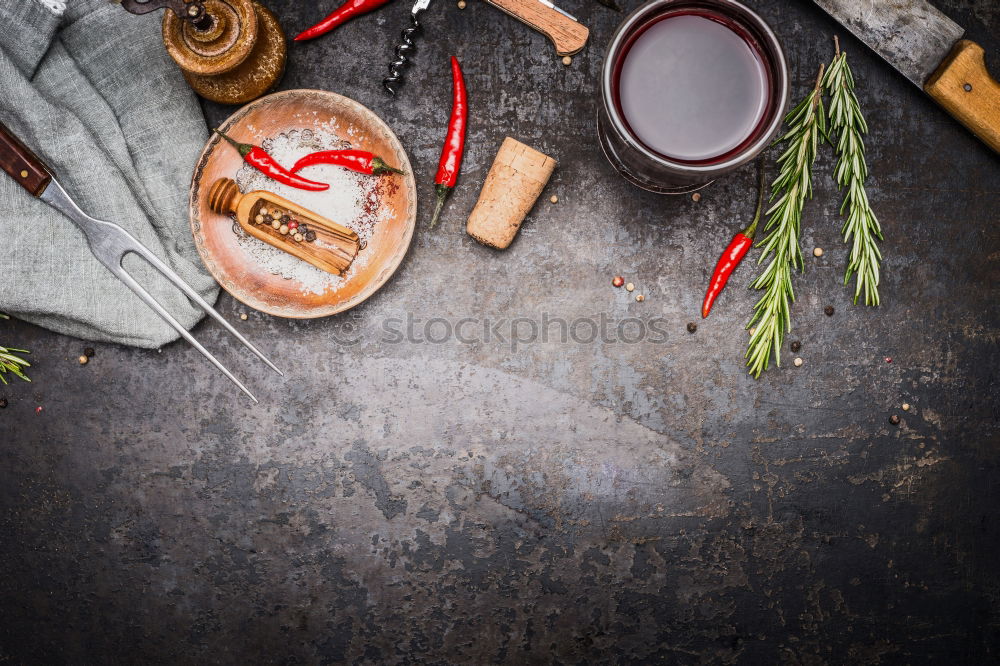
771	318
11	363
861	224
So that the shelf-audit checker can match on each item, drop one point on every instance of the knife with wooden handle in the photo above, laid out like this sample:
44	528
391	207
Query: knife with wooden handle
566	33
927	48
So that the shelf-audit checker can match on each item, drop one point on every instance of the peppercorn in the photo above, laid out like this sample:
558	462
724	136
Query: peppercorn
567	61
243	316
618	281
283	230
83	360
276	224
818	252
906	406
639	298
795	346
798	362
298	237
3	403
285	218
692	327
259	219
311	236
262	211
294	224
554	199
461	4
828	311
630	287
888	359
894	419
89	351
696	197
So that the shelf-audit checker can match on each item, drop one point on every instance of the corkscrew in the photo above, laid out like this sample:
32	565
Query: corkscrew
405	48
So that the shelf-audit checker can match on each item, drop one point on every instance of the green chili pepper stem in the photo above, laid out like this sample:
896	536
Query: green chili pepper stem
442	194
761	187
244	148
379	167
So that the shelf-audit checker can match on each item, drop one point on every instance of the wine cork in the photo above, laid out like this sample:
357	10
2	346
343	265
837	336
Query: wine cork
517	177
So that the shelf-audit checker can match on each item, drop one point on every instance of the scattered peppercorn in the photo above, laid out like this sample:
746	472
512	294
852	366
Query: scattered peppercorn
554	199
38	410
3	403
692	327
818	252
618	281
906	406
639	298
311	236
567	61
89	351
752	330
243	316
894	419
461	4
795	346
798	362
630	287
888	359
84	360
696	197
828	311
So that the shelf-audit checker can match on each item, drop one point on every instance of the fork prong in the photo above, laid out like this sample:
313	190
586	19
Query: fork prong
129	281
194	296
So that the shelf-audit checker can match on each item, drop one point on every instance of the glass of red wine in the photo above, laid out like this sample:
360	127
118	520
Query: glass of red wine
690	90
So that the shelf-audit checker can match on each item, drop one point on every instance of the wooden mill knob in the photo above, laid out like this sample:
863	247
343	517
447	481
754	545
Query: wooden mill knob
233	56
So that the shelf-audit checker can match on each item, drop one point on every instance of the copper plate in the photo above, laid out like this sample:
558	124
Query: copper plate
237	270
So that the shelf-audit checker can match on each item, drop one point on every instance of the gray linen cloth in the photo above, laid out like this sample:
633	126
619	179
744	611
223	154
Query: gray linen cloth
91	90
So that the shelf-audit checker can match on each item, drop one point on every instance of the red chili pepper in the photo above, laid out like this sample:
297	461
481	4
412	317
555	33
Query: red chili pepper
733	255
258	158
356	160
454	143
339	16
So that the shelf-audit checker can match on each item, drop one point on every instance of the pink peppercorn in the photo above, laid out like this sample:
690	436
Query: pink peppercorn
293	224
888	359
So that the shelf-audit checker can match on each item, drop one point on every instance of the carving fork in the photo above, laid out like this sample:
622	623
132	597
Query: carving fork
110	243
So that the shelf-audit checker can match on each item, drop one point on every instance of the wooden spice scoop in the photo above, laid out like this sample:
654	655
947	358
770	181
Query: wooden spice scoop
517	177
333	248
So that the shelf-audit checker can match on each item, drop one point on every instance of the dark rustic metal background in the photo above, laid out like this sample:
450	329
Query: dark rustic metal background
574	503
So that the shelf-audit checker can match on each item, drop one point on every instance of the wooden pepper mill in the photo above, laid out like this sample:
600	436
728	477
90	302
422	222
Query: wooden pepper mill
230	51
287	226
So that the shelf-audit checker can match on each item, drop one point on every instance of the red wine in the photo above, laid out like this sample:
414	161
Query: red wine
692	87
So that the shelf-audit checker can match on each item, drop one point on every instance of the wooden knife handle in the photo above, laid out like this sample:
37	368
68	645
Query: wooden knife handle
21	164
568	36
964	87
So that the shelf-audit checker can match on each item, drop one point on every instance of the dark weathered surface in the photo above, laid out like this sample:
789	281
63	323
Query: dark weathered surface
564	502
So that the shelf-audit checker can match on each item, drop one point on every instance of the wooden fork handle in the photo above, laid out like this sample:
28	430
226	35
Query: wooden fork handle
21	164
568	36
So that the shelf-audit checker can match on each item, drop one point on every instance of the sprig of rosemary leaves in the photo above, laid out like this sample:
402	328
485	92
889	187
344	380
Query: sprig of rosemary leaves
851	172
793	186
11	363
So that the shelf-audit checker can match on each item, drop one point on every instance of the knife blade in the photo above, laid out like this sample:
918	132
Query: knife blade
927	48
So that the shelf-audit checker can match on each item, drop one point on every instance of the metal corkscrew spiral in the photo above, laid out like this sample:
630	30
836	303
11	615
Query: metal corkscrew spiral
405	47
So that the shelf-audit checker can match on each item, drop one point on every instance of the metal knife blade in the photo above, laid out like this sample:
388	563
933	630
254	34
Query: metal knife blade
911	35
